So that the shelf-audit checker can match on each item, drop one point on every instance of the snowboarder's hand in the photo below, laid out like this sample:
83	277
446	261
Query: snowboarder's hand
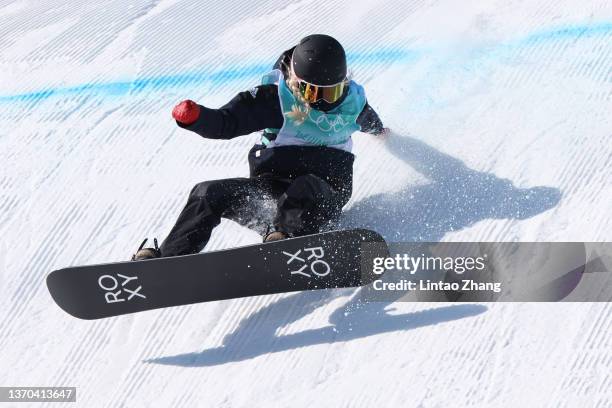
186	112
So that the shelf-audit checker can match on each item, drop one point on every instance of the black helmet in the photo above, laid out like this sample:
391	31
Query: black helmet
320	60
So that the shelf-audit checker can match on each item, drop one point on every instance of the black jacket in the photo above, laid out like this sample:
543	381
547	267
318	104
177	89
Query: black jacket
258	109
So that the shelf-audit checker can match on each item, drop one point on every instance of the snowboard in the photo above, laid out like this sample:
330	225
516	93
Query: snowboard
336	259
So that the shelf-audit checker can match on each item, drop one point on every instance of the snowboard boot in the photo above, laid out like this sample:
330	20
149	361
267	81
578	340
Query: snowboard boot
272	236
147	253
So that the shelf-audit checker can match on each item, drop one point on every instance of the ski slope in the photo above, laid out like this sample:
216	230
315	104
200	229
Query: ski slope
502	131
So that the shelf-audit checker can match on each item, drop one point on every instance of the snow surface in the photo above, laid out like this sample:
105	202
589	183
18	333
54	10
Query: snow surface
501	112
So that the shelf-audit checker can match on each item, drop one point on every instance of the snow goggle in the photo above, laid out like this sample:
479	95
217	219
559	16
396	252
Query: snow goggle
313	93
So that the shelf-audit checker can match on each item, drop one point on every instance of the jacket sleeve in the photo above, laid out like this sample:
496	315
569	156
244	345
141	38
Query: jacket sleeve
369	121
247	112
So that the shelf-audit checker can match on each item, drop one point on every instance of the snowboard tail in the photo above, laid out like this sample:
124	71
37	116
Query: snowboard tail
336	259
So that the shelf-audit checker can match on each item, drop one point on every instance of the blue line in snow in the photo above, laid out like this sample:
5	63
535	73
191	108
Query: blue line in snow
254	70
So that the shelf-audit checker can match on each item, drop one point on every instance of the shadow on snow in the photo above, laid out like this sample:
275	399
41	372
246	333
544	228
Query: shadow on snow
456	197
256	334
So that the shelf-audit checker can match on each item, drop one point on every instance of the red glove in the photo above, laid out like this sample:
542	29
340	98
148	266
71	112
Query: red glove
186	112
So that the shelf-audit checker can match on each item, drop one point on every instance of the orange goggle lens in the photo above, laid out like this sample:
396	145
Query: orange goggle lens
313	93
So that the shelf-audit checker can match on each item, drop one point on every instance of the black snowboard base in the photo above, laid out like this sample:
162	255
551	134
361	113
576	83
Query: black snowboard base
336	259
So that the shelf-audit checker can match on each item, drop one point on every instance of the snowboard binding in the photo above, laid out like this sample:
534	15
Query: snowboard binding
274	235
147	253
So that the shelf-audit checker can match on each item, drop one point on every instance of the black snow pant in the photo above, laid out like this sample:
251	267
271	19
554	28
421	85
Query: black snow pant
299	206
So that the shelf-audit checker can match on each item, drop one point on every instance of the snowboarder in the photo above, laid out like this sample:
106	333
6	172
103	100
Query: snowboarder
308	109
